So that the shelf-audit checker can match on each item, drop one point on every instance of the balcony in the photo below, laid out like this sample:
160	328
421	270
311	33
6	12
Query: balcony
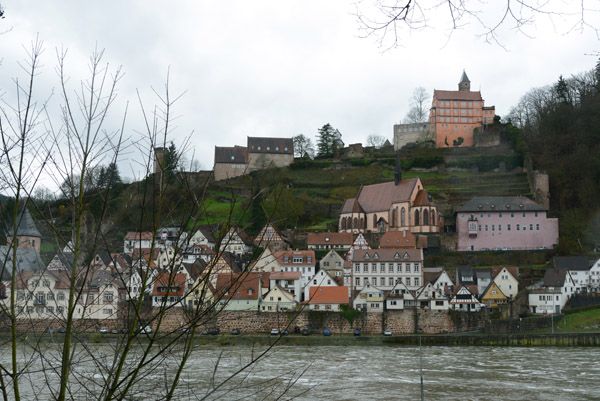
472	224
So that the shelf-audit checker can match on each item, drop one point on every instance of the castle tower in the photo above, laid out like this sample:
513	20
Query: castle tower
464	84
28	236
159	159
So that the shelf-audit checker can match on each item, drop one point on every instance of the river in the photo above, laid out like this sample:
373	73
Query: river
377	373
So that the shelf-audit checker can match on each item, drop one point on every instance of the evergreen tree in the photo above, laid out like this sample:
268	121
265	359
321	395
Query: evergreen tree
327	141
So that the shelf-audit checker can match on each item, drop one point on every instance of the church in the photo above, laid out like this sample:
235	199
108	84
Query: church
399	205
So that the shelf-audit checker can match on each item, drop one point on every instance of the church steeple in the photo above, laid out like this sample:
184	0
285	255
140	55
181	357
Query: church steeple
464	84
398	173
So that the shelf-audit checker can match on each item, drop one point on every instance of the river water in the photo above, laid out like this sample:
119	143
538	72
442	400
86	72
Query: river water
370	373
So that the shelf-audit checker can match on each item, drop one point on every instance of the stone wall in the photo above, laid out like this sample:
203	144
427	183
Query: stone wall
509	326
400	322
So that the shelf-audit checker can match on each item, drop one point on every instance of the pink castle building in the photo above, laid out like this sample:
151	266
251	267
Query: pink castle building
456	114
504	223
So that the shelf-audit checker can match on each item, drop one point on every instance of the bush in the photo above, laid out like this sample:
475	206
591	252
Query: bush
300	164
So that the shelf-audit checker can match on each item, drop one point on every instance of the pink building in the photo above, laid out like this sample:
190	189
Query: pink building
456	114
504	223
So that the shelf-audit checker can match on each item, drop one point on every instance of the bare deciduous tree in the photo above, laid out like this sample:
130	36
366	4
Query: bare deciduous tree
36	148
419	107
390	21
376	141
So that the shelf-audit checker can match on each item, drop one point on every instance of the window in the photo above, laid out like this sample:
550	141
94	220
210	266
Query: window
486	227
518	227
512	215
508	227
416	281
297	259
50	309
417	265
408	281
531	227
382	281
108	298
493	227
357	268
537	227
365	267
107	311
357	281
382	267
374	267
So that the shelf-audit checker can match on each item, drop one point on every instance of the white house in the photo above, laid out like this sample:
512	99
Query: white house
464	300
137	240
321	279
384	267
506	278
202	236
369	299
236	241
278	300
551	295
289	281
400	297
327	298
578	267
595	276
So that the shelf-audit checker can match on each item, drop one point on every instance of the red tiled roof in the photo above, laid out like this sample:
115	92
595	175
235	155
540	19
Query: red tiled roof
379	197
398	239
328	295
136	235
514	270
244	286
281	255
457	95
177	284
285	275
330	238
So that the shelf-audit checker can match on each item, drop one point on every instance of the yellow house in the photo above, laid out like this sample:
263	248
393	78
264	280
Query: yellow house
493	296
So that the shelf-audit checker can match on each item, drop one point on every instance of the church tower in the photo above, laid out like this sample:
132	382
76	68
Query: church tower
464	85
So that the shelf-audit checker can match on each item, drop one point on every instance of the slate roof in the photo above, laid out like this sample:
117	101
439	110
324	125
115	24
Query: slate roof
27	259
422	199
464	77
555	277
500	204
457	95
236	154
270	145
379	197
571	262
26	225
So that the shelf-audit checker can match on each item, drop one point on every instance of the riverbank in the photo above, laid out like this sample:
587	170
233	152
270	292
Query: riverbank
584	339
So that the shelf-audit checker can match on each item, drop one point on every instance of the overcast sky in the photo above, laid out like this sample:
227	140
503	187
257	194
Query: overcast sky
280	68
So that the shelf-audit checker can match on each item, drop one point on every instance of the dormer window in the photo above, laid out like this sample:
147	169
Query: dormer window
375	256
406	256
232	157
258	147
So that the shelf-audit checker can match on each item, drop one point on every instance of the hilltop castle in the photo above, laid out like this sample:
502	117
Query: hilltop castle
453	118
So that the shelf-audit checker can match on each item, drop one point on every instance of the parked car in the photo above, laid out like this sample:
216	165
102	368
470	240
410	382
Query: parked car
235	332
357	332
274	332
326	332
114	331
284	332
62	330
214	331
145	329
103	330
306	331
387	332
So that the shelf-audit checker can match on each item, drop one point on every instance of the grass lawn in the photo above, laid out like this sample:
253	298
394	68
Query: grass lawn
588	320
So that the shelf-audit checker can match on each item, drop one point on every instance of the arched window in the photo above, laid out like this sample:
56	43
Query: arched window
374	220
432	218
403	217
343	224
417	218
363	223
394	217
355	223
425	217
